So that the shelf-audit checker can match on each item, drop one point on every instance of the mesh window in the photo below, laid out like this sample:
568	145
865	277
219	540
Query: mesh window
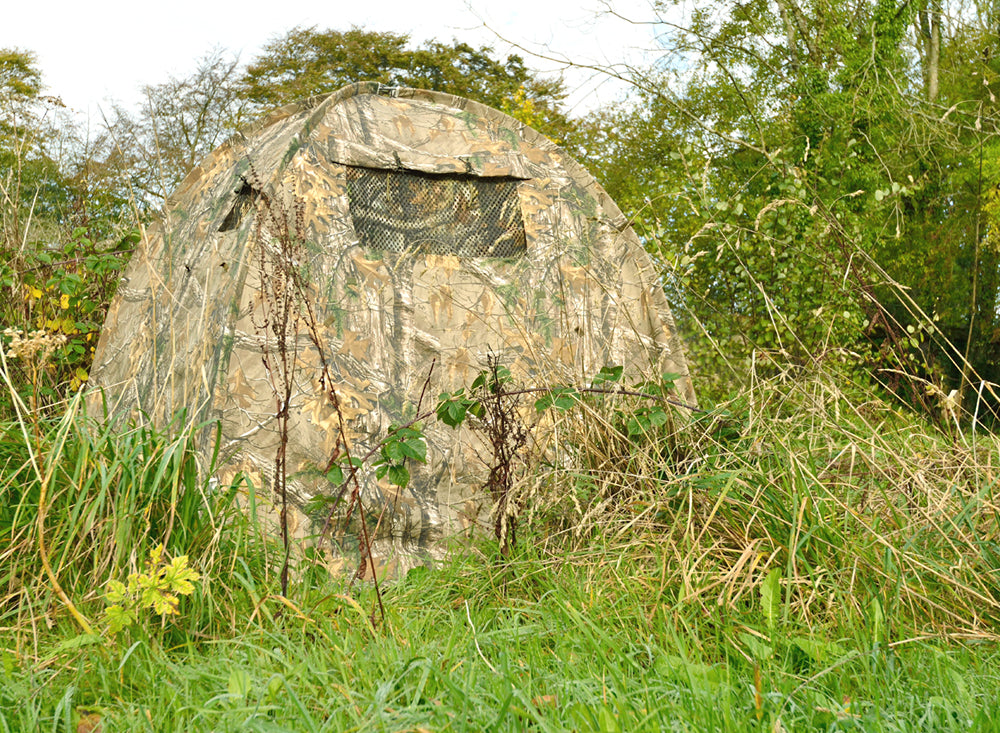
397	211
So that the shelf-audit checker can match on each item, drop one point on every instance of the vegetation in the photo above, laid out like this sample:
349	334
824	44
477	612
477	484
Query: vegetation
794	162
808	557
817	549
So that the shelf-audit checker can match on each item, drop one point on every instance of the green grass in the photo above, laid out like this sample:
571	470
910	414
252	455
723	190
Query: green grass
538	645
806	558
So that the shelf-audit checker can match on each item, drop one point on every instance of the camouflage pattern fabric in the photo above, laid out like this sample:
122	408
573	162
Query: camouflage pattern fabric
426	228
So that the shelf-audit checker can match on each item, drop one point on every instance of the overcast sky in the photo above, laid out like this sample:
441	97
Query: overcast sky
96	50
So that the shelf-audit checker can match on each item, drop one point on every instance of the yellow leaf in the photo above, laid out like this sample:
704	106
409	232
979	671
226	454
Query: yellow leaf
64	301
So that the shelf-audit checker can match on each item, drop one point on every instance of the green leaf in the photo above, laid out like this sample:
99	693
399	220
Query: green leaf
335	475
77	642
637	425
565	398
562	398
658	417
820	650
165	604
239	683
116	592
877	616
544	402
757	646
180	578
770	597
453	409
607	722
669	378
399	476
392	451
416	448
564	402
119	618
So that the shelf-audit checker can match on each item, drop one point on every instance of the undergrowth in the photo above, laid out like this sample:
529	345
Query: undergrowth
805	556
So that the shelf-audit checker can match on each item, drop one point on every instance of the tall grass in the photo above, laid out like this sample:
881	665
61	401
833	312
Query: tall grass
81	504
855	509
805	556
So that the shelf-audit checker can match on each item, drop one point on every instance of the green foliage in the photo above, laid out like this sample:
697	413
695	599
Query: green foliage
400	445
308	62
560	398
453	407
20	77
63	293
157	589
804	556
111	495
32	185
808	531
791	179
62	245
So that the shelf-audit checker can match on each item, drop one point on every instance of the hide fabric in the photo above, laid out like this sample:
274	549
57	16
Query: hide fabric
430	228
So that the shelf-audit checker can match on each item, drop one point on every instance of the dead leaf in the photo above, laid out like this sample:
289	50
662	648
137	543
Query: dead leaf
90	723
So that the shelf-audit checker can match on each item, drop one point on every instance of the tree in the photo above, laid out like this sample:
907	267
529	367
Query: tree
307	62
56	273
180	122
807	156
31	184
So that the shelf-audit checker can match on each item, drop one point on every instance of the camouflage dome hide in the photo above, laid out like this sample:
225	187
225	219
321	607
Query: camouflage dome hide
410	227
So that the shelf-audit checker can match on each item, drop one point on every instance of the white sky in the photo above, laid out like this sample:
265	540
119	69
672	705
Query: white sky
90	52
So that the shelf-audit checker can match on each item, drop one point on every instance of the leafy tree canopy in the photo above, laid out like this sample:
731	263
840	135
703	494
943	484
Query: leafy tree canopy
307	62
794	161
20	77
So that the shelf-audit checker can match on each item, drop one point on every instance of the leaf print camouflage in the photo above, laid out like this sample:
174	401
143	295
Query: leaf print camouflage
551	278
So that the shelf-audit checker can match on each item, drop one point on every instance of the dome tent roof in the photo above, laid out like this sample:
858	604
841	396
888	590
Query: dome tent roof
418	228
